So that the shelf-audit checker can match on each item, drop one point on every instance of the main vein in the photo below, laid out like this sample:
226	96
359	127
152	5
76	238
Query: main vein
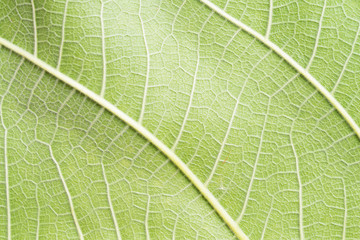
137	127
290	61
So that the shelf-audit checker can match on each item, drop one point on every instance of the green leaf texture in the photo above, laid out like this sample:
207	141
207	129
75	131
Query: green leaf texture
173	119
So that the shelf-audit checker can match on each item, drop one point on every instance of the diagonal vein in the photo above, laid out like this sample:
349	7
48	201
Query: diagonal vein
255	166
67	194
147	66
345	212
317	36
332	100
267	219
103	87
192	89
62	36
347	60
233	117
268	29
35	28
301	215
62	179
113	214
138	128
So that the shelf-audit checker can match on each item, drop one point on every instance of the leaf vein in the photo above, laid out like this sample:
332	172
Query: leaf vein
332	100
137	127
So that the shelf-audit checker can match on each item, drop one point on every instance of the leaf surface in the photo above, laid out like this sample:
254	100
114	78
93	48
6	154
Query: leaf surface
76	171
250	105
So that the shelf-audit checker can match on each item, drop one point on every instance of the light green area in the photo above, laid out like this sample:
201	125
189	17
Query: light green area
100	160
204	87
322	36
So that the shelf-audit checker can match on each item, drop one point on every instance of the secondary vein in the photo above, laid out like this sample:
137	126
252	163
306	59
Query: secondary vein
332	100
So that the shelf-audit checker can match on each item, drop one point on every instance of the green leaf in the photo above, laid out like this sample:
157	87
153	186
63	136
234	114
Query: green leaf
179	119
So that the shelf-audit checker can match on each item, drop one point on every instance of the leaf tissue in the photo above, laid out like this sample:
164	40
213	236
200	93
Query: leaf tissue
179	119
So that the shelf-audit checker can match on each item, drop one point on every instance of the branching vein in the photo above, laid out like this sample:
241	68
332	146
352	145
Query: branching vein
35	28
291	62
137	127
103	87
147	67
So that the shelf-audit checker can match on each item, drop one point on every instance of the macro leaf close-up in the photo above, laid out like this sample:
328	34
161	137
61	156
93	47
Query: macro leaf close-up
180	119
